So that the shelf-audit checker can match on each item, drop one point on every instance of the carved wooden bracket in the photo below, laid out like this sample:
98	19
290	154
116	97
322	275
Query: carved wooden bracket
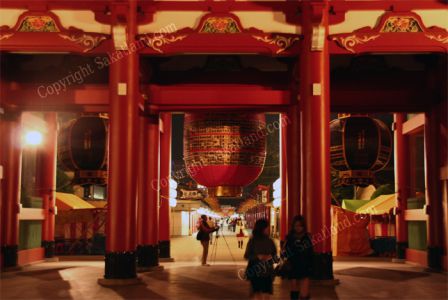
219	32
394	32
37	30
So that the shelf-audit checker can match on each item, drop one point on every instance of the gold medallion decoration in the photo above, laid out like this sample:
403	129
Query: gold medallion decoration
38	24
351	41
279	41
87	41
220	25
158	41
401	24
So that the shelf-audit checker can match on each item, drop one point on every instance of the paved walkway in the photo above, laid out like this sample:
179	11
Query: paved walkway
185	280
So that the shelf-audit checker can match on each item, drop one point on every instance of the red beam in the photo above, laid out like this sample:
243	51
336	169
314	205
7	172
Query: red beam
344	97
217	94
232	5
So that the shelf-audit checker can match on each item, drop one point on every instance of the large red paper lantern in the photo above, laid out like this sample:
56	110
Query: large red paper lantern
224	151
360	146
83	148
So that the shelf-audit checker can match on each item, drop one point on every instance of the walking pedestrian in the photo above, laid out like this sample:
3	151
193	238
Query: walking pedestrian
240	238
299	252
260	253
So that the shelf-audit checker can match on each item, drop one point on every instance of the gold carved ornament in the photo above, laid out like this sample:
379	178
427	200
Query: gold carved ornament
87	41
438	37
157	42
279	41
4	36
353	40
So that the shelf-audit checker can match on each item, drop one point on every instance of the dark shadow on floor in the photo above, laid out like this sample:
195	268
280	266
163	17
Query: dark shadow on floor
383	274
45	274
51	285
138	291
317	291
205	282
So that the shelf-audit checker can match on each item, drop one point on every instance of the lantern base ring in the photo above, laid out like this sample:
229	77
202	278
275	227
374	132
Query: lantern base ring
225	191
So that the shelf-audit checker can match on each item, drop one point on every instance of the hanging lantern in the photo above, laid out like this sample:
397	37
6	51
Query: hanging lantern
82	148
224	151
360	146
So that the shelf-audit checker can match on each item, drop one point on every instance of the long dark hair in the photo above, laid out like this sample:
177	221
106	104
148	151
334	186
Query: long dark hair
259	227
301	219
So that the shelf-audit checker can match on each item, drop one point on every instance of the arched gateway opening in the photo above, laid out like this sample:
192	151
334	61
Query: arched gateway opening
115	142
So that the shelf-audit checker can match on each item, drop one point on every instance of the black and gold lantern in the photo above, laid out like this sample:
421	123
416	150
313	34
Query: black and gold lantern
83	148
360	146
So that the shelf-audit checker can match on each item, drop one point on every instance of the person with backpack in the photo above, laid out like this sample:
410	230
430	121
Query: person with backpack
203	235
260	253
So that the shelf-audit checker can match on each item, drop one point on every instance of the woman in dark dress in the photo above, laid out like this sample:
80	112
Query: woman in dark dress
299	253
260	252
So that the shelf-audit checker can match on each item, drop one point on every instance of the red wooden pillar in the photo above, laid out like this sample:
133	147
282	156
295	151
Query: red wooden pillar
10	159
315	118
293	163
123	153
433	192
46	182
401	183
148	194
165	175
283	176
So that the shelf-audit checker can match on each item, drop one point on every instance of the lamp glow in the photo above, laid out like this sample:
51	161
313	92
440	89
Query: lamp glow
33	138
173	202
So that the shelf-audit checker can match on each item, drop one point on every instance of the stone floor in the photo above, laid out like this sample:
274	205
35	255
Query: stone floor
185	279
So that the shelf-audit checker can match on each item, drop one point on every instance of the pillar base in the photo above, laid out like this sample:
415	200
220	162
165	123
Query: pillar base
401	249
166	260
118	282
147	256
52	259
435	258
165	249
12	269
150	269
49	247
120	265
10	255
323	266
